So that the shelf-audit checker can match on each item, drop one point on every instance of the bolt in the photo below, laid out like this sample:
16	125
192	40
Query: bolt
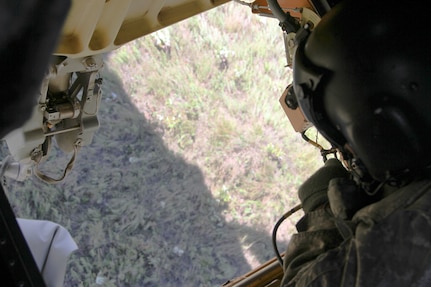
291	43
291	104
90	62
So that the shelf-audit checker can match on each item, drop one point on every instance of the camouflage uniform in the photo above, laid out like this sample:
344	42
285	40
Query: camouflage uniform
386	243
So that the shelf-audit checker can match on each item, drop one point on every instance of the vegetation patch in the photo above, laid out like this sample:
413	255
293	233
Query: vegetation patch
192	165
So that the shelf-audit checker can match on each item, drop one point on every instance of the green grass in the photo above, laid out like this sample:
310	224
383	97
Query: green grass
193	163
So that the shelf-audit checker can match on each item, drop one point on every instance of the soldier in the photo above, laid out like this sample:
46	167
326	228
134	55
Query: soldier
363	78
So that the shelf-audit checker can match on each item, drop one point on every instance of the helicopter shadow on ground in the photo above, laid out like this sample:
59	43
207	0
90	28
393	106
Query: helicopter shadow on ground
140	214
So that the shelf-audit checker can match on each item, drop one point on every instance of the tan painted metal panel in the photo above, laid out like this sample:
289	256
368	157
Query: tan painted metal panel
98	26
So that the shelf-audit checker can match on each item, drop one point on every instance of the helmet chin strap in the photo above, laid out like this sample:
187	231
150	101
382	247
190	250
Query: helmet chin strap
358	171
373	186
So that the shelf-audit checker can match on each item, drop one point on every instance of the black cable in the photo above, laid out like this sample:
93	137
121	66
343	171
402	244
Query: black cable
287	22
274	231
